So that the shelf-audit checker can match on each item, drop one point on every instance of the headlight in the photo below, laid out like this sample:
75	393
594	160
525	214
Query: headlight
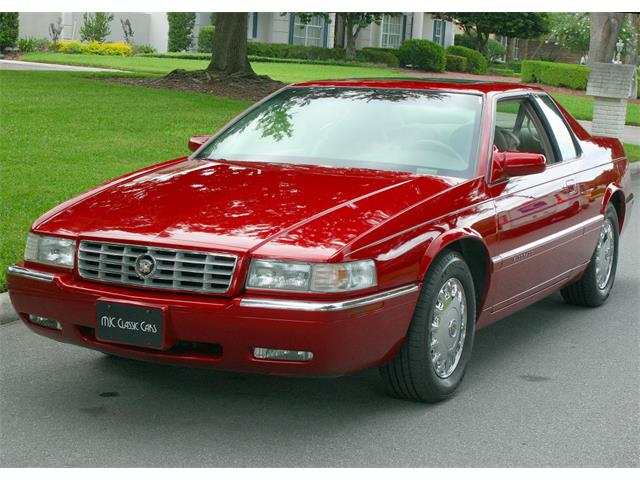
50	250
311	277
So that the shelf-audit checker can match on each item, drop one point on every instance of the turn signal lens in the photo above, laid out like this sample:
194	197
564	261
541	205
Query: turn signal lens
284	355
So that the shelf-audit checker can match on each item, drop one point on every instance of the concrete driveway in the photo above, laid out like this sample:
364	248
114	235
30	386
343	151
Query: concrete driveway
19	65
554	385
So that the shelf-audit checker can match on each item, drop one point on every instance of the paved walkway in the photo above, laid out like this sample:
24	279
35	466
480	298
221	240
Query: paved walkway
631	133
19	65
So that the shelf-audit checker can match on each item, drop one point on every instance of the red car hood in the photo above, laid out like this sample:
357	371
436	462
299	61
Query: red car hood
242	206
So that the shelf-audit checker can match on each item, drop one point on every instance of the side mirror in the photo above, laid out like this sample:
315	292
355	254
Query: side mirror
196	142
517	164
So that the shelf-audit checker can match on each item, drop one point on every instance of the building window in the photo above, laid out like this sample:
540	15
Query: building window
391	31
516	49
437	30
309	34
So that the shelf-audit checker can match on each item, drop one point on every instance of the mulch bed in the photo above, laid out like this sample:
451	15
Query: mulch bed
200	81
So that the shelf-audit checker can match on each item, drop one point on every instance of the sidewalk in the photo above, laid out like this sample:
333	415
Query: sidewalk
20	65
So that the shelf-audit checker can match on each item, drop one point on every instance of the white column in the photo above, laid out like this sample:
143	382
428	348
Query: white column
417	24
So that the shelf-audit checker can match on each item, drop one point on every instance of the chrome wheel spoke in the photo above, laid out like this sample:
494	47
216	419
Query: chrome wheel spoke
604	255
447	328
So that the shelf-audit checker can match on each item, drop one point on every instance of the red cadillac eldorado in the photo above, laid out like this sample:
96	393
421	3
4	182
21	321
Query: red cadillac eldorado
336	226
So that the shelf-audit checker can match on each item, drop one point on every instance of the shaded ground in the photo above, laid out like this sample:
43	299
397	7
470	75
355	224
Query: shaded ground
201	81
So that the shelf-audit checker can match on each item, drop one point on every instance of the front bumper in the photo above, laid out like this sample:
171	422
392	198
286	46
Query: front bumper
344	336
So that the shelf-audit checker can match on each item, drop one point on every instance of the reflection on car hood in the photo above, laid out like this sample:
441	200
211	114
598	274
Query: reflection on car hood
241	206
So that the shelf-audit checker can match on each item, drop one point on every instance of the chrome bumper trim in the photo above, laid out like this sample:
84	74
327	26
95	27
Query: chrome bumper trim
318	306
29	273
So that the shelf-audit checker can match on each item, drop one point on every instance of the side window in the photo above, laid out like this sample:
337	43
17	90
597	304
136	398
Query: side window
558	127
519	130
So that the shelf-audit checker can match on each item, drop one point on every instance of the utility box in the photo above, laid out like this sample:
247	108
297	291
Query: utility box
612	85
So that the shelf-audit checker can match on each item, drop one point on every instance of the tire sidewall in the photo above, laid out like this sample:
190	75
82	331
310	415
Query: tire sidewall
455	267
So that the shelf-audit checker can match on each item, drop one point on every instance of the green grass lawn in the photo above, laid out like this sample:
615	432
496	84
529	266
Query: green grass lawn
582	108
285	72
63	133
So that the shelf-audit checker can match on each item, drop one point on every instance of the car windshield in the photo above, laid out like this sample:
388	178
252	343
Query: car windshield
418	131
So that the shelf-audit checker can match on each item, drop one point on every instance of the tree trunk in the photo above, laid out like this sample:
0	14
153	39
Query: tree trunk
230	45
511	49
350	37
338	38
604	31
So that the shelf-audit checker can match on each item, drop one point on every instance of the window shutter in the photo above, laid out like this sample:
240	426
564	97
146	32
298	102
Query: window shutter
292	25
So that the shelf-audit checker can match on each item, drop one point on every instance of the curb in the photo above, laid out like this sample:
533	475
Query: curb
7	313
634	168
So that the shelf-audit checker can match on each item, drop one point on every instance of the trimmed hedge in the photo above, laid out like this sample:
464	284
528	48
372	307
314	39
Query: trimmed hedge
205	38
94	48
476	63
280	50
456	63
9	24
422	54
385	56
555	74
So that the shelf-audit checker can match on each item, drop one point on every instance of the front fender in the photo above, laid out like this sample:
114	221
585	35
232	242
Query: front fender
443	241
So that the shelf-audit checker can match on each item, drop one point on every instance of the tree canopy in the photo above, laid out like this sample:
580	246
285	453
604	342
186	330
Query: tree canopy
514	24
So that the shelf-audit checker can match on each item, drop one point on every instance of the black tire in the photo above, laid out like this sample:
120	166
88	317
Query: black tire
585	291
411	374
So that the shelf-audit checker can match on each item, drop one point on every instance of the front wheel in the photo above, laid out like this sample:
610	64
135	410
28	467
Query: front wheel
432	360
595	284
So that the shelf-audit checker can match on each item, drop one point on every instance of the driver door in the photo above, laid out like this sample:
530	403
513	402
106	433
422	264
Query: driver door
535	213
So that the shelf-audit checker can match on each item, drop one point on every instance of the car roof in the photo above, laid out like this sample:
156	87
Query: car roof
466	85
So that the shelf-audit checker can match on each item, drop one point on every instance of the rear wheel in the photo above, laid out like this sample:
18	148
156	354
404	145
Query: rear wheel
432	361
595	284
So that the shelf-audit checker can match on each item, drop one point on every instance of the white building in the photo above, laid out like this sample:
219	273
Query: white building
152	28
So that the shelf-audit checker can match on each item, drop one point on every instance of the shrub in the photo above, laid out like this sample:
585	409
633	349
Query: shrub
516	66
277	50
8	29
205	39
31	44
180	30
117	48
422	54
456	63
385	56
95	26
555	74
464	40
70	46
495	50
476	63
142	49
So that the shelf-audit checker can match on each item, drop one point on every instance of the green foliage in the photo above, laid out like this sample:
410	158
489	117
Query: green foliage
495	50
570	30
95	26
515	65
422	55
555	74
476	62
142	49
279	50
456	63
513	24
8	29
94	48
386	56
205	38
465	40
31	44
503	72
180	30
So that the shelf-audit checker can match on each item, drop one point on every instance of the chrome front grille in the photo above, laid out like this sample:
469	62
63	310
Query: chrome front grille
189	270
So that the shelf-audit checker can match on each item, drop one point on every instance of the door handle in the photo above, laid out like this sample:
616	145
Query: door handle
570	187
